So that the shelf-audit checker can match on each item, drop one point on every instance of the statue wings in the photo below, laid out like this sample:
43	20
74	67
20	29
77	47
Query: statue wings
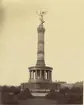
41	13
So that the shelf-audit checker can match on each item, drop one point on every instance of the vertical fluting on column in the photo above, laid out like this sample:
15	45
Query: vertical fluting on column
40	46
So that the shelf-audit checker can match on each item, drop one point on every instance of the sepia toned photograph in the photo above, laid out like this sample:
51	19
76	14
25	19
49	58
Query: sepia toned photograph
41	52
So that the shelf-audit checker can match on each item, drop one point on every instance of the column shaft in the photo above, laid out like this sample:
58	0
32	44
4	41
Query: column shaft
35	74
40	52
40	74
44	74
31	75
40	46
48	75
51	75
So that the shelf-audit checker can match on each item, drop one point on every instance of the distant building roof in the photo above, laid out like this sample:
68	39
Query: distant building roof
69	85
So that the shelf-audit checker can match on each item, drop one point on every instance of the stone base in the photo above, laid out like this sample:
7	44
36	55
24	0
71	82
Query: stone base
40	87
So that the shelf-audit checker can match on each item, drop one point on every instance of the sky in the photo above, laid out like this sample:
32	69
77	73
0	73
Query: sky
64	39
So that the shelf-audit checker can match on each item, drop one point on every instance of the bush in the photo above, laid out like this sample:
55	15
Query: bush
11	89
23	95
61	98
7	98
9	94
67	96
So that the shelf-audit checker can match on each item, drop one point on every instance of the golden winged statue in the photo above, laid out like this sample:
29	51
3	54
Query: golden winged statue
41	14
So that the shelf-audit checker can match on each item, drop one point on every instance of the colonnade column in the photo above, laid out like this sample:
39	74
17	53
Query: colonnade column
40	46
51	75
48	75
40	74
35	74
45	74
30	74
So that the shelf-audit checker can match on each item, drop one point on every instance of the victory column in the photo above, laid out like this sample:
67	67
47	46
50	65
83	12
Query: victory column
40	75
